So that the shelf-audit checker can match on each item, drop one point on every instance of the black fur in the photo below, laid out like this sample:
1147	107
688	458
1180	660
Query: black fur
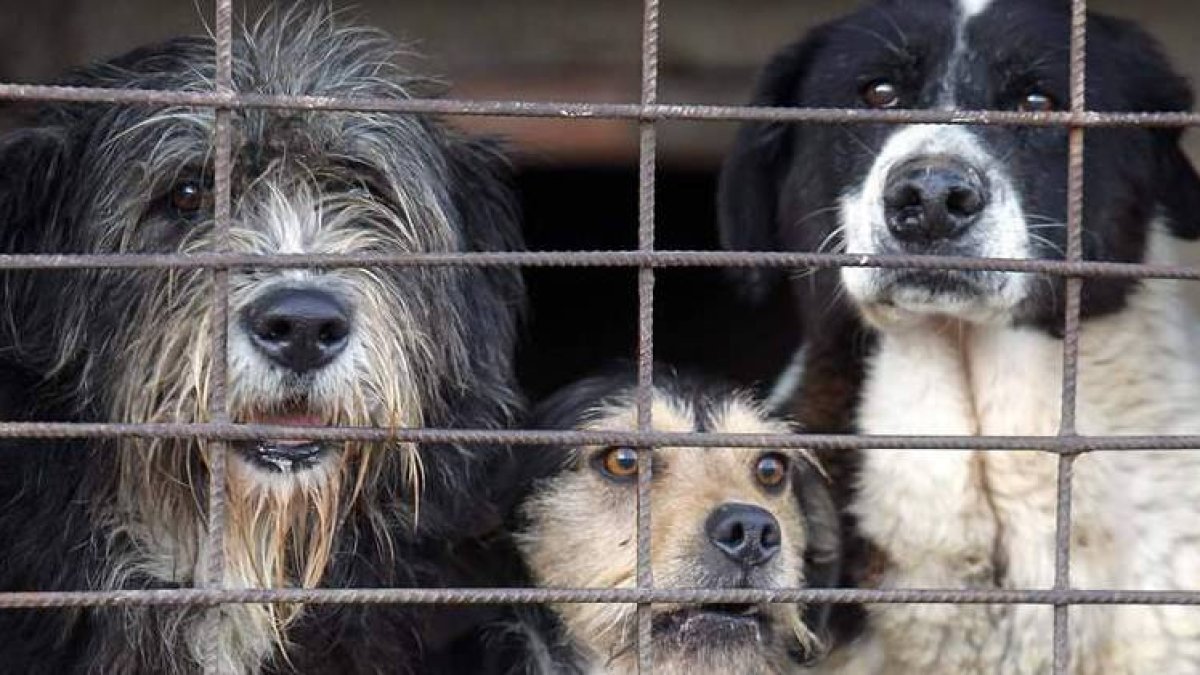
779	175
569	409
779	182
58	174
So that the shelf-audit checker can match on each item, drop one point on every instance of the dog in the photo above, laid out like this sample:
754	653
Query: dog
939	352
388	347
721	518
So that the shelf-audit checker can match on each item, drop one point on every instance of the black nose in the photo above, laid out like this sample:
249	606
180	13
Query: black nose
300	329
746	534
932	199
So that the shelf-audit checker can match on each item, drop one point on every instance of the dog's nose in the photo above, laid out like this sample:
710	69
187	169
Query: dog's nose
301	329
932	199
747	534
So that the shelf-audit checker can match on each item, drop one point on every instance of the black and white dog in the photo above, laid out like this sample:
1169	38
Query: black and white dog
390	347
979	353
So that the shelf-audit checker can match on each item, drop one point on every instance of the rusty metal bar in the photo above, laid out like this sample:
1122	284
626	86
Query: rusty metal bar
224	100
656	259
450	596
218	409
230	431
1070	373
647	163
580	110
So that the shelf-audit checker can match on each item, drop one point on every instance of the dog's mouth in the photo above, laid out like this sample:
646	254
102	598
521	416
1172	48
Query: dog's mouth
707	625
286	455
938	283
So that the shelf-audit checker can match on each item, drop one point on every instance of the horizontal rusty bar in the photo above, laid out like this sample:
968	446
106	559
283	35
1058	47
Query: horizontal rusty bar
455	596
233	432
658	259
582	110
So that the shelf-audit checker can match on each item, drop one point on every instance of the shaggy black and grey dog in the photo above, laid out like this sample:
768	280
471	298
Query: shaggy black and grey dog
394	347
721	518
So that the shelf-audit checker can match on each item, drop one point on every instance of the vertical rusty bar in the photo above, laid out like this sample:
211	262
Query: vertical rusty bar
214	565
1070	384
647	152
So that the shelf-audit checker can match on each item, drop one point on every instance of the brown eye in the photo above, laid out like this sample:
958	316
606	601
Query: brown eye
1036	101
189	197
881	94
618	463
771	470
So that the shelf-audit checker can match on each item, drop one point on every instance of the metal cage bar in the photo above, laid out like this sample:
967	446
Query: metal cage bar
443	596
1070	372
576	110
229	431
657	259
218	408
647	162
224	100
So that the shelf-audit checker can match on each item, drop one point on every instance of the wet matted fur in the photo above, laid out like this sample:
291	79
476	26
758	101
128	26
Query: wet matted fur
579	531
417	347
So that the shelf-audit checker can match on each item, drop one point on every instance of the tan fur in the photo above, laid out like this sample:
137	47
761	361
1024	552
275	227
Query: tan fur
281	529
583	535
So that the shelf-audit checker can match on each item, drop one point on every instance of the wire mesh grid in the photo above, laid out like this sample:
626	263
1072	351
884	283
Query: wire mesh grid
224	100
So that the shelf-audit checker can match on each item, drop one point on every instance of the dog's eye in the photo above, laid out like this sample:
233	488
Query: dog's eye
618	463
771	470
881	94
190	196
1036	101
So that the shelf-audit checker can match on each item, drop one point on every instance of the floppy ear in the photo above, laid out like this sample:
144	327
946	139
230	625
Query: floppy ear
31	164
1158	88
753	173
566	409
493	299
1178	183
1180	193
823	554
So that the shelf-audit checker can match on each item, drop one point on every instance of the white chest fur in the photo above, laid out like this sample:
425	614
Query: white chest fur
987	519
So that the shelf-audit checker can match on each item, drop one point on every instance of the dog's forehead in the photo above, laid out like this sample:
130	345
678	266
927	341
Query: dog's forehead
971	8
731	414
927	33
305	137
948	54
669	412
1008	30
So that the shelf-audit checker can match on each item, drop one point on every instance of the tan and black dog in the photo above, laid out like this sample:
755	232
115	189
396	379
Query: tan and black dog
721	518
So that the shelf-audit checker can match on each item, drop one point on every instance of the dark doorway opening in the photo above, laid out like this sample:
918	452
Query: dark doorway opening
585	318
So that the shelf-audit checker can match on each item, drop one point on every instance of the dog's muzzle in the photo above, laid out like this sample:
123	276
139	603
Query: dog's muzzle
301	331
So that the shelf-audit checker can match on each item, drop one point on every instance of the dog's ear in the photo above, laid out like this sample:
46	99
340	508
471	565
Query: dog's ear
493	299
823	553
33	172
1180	193
1176	179
32	164
1158	88
753	173
485	193
524	467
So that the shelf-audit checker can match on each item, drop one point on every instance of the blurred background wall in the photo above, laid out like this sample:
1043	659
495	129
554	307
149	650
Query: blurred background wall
578	50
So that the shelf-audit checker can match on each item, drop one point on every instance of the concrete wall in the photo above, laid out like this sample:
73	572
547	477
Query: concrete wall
583	50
